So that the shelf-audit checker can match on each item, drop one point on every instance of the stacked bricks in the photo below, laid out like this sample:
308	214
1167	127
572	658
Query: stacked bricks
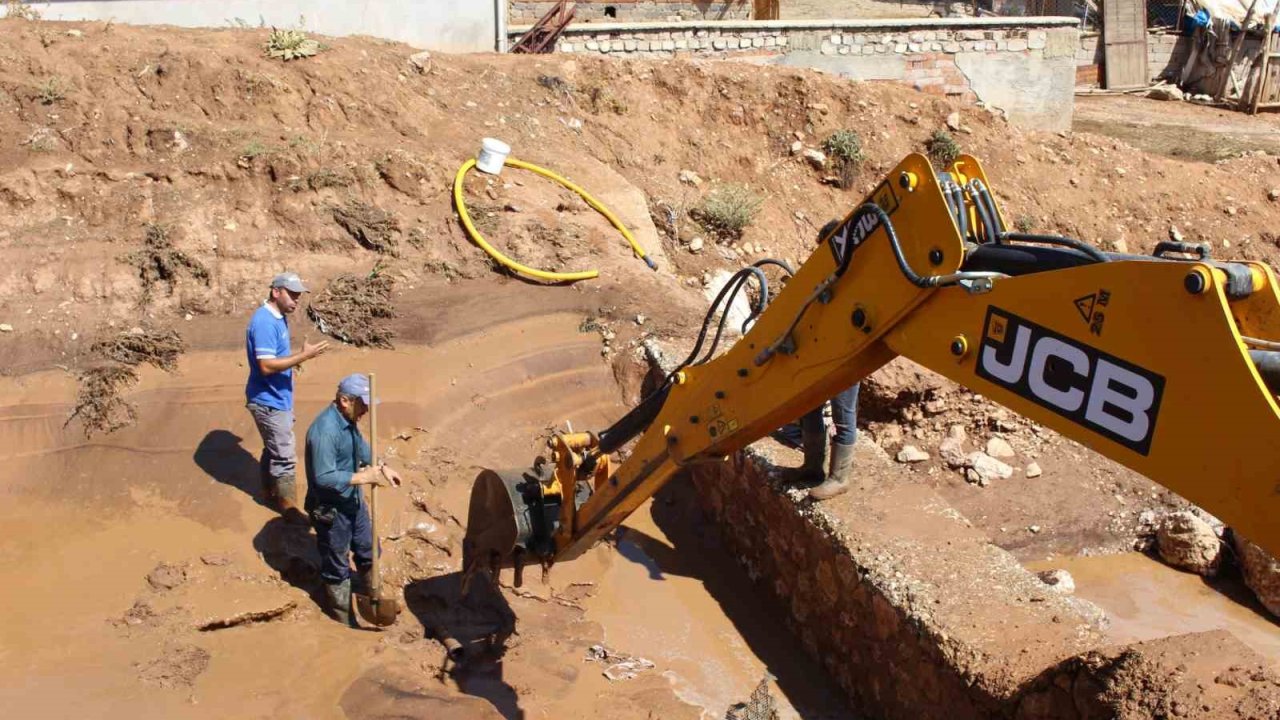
929	54
635	10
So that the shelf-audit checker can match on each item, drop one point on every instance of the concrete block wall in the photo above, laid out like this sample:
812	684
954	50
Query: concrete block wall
1025	66
528	11
470	26
1166	53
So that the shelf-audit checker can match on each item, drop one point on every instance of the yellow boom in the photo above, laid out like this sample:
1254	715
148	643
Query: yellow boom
1162	363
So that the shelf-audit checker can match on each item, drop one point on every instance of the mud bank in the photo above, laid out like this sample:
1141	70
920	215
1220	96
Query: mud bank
916	614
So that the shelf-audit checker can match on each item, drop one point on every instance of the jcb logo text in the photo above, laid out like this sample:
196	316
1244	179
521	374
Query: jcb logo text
1119	400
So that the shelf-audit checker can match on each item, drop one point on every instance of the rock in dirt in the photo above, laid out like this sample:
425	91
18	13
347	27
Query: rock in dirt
912	454
952	448
999	448
696	245
1059	580
1273	194
1033	470
421	61
167	576
1166	92
1261	573
1188	543
953	122
689	177
981	468
215	559
816	158
6	328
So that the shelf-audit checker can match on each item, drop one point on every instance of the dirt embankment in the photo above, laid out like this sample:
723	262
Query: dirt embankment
155	178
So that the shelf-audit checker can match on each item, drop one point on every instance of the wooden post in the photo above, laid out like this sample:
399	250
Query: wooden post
1261	87
1230	79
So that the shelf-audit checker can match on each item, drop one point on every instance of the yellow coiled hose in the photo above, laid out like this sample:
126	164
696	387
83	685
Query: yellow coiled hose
524	269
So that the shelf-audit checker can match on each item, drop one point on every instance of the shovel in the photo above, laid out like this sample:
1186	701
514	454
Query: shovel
378	607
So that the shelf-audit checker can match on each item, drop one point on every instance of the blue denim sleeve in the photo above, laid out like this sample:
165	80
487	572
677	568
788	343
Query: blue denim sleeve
322	456
366	452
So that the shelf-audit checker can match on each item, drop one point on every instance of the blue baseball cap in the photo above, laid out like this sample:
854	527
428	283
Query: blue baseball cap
357	385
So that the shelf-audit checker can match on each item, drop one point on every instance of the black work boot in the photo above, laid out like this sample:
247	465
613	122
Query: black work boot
339	597
814	442
837	482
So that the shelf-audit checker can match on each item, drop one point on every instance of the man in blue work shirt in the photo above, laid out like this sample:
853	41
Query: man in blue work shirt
269	391
339	460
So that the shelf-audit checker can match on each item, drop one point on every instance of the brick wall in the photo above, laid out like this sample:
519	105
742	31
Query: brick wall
636	10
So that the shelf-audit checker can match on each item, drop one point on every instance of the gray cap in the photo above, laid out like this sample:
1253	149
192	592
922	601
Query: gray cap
357	385
289	281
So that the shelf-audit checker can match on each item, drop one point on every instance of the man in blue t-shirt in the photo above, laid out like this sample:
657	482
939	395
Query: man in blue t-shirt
269	391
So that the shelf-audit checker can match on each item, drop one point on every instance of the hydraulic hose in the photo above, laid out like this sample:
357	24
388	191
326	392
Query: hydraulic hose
1072	243
515	266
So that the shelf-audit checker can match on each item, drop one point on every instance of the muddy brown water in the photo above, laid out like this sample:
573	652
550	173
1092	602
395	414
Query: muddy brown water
88	519
1145	599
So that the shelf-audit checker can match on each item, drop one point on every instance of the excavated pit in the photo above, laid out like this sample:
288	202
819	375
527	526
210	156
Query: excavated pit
150	579
911	594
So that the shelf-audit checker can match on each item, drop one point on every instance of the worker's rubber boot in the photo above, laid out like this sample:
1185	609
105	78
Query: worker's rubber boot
270	491
339	597
286	501
814	443
837	482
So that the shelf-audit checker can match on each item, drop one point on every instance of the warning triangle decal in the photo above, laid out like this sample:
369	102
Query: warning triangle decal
1085	305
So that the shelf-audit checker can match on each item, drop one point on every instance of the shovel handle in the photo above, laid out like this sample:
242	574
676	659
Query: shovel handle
375	573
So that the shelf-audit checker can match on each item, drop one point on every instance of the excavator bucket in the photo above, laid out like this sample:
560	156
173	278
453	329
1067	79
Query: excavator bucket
492	527
510	518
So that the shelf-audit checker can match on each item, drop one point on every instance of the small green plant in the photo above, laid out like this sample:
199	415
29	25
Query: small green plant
943	149
845	149
255	148
291	45
19	10
1024	224
51	91
728	210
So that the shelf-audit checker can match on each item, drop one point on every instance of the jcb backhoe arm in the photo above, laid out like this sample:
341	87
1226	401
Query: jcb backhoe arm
1160	363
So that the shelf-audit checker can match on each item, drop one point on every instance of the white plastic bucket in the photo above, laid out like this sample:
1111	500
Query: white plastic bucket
493	154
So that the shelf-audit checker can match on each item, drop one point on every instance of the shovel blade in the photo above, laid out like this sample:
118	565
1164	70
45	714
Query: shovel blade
380	611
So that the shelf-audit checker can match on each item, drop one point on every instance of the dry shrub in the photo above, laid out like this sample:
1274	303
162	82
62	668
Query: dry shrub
372	227
99	404
844	147
352	309
728	210
159	261
160	349
943	149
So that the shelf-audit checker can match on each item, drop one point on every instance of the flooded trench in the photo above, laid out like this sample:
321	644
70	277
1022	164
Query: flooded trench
1144	599
88	630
